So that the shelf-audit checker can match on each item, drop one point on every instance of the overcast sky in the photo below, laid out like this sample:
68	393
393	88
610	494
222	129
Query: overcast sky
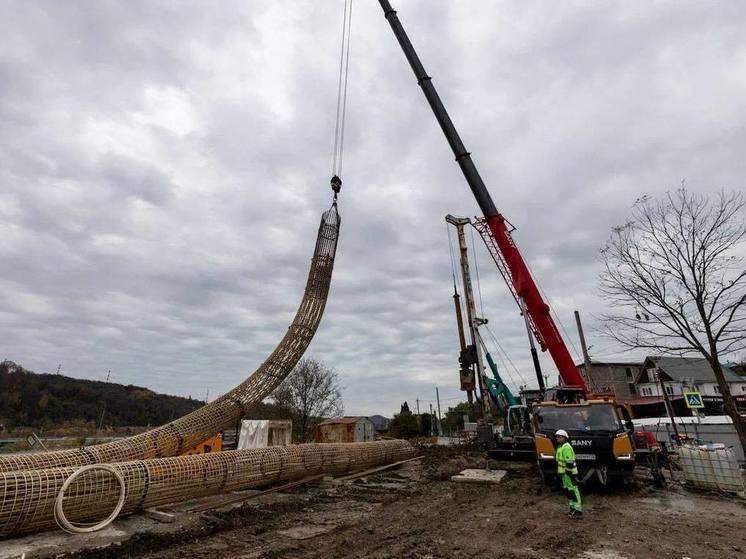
163	166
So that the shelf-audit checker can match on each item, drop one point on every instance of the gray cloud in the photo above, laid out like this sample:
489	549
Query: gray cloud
163	168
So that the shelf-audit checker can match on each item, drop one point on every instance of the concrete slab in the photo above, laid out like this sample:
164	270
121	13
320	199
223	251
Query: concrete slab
479	476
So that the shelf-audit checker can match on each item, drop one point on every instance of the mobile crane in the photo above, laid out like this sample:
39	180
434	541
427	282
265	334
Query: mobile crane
601	430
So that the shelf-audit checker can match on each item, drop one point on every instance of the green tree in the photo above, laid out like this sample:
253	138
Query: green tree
454	417
404	426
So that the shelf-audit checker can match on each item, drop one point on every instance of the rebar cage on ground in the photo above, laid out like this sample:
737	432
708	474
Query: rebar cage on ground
29	497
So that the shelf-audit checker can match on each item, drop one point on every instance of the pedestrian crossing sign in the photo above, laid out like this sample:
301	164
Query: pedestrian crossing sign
693	400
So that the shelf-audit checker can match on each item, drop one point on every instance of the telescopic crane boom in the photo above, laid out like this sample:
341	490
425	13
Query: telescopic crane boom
520	278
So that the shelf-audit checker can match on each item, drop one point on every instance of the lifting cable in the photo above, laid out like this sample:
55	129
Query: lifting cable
455	272
339	125
505	353
453	259
481	308
476	269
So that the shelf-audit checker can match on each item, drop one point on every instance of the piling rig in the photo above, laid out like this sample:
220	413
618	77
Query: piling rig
600	429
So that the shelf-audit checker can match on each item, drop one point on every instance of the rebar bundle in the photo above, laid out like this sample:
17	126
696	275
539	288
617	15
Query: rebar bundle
27	501
188	431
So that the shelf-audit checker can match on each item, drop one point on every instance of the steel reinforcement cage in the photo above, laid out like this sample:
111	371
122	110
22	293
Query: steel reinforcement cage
190	430
28	498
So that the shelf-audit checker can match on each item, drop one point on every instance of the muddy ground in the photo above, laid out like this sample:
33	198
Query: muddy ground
415	512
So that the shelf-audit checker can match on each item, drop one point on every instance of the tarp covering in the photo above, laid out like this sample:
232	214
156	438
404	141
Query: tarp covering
254	434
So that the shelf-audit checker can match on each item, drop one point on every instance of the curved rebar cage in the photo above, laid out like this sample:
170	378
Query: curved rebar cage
190	430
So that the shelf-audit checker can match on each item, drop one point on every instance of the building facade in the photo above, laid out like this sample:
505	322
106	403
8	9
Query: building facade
677	375
612	377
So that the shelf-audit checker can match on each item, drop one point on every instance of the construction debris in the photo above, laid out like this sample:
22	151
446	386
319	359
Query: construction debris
374	470
479	476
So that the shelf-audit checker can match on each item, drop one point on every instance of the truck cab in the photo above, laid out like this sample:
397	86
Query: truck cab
600	433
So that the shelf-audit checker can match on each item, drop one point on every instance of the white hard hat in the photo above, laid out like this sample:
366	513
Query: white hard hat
562	433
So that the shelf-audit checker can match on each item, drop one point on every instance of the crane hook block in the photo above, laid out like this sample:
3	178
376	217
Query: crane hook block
336	183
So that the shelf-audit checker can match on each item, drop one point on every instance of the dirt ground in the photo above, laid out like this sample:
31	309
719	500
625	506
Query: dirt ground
415	512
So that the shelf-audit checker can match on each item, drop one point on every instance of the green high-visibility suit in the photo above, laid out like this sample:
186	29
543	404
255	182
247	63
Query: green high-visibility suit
567	468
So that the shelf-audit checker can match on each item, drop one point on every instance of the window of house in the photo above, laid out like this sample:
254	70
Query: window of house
631	386
629	372
669	390
743	388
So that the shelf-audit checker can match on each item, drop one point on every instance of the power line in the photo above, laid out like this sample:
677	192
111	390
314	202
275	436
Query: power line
505	353
453	259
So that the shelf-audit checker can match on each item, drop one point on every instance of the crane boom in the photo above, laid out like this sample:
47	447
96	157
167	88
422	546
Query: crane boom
520	277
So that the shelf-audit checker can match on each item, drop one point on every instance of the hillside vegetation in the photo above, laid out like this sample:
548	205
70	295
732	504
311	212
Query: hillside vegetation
44	400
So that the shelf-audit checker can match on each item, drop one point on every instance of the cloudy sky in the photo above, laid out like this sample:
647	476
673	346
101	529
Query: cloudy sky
163	166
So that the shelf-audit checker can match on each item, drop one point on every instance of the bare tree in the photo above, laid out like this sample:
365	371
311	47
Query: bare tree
310	393
676	282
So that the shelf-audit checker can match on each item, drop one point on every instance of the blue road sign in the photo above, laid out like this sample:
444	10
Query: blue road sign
694	400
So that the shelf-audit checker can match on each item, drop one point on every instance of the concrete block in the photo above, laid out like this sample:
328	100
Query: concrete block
479	476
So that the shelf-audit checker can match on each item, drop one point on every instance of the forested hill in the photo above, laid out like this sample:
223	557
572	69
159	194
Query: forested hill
44	400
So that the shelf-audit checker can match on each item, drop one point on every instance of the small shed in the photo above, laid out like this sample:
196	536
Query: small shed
345	430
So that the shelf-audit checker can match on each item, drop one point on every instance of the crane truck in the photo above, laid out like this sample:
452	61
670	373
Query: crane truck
600	429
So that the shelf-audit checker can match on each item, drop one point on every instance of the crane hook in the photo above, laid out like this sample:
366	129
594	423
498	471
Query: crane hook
336	183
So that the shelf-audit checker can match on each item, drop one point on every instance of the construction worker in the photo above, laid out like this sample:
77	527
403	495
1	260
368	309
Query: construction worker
567	469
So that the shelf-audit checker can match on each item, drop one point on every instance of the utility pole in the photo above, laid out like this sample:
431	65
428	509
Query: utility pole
58	368
418	406
432	418
586	357
437	398
669	406
471	308
103	409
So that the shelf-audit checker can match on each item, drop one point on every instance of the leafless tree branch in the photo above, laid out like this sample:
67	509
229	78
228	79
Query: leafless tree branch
676	280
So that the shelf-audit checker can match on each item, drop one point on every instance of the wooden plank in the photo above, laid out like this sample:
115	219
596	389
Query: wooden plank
160	515
375	470
243	498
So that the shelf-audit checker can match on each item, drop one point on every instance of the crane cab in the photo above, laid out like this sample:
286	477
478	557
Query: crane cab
600	433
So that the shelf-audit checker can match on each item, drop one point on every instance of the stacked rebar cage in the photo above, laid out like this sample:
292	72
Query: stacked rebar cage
29	497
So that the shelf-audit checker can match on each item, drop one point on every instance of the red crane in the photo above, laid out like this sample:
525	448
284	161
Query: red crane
515	270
